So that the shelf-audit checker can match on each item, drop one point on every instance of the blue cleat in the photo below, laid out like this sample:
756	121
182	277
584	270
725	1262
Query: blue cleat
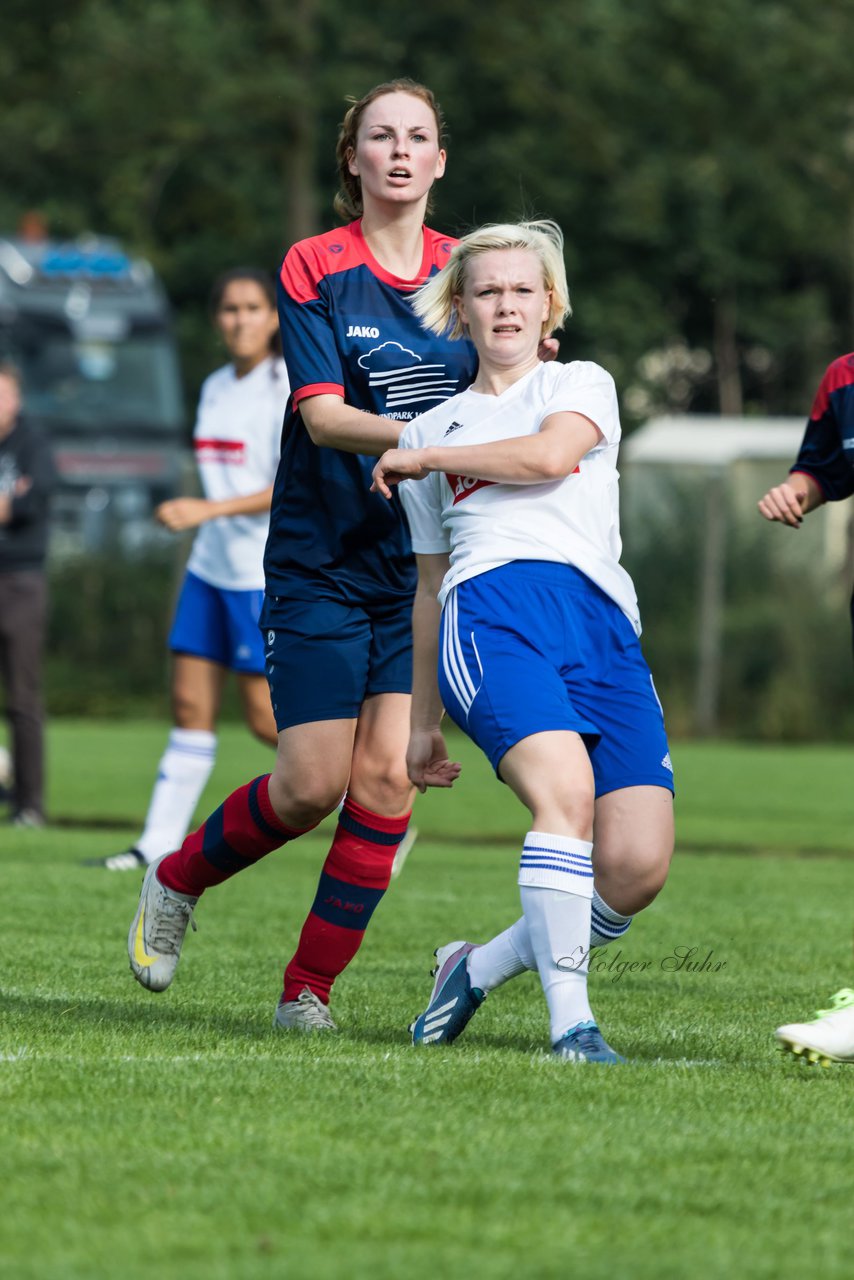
453	1000
585	1043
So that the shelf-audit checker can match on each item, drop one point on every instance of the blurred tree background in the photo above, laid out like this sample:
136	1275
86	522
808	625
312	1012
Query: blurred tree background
699	161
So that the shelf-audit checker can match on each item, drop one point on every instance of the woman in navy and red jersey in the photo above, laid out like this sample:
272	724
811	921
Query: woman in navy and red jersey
823	472
340	576
824	468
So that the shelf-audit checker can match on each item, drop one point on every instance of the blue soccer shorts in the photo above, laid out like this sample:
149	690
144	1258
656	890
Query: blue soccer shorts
219	625
534	646
324	658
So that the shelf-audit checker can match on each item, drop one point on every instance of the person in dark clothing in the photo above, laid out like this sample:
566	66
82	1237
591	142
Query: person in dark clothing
26	479
822	472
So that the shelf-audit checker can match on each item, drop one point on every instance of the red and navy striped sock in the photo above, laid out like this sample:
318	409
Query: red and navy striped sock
355	876
236	835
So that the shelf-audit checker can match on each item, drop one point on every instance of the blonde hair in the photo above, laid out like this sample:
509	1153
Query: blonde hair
348	201
434	301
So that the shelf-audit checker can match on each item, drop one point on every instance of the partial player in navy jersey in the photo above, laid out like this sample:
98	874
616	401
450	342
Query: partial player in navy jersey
525	629
215	631
823	472
824	469
339	570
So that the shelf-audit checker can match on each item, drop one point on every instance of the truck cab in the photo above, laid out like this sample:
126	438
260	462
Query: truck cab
90	329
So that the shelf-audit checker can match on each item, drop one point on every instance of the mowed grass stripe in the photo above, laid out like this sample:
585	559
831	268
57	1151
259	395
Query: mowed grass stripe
728	795
178	1135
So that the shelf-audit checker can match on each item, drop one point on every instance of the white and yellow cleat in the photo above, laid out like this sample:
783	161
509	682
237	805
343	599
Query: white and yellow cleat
306	1013
157	933
830	1038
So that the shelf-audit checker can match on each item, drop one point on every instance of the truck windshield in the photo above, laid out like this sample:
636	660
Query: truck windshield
96	384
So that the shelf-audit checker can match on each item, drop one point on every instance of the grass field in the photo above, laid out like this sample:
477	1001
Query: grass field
179	1136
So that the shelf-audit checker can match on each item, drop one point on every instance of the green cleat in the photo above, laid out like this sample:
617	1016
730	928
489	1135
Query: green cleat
829	1038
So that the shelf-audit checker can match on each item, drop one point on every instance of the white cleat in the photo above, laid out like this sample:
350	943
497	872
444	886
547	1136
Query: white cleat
830	1038
157	933
403	851
127	860
307	1013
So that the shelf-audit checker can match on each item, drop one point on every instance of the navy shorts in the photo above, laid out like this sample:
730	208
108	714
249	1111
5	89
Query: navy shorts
220	625
535	646
323	658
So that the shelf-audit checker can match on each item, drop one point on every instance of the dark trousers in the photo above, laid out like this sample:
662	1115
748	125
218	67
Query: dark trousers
23	614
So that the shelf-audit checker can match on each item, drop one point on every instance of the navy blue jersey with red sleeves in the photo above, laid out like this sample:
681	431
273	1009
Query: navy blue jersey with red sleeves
827	449
348	329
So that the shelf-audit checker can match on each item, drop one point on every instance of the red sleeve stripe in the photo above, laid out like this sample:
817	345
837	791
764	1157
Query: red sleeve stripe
223	446
318	389
799	471
839	374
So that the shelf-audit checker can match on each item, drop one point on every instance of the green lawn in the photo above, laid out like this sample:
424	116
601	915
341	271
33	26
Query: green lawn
179	1136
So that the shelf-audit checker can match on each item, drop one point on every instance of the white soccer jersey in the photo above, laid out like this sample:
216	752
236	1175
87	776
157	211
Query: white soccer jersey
237	441
484	525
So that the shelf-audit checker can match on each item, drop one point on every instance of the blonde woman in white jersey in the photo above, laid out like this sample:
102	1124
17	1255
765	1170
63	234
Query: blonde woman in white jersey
523	609
215	630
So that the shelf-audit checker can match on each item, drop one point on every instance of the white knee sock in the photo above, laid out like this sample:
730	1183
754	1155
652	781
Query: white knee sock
503	957
606	924
556	886
510	953
185	767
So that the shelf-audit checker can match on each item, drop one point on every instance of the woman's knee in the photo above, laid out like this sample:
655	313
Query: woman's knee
550	773
570	813
312	770
645	885
195	692
302	798
190	712
630	882
381	784
632	846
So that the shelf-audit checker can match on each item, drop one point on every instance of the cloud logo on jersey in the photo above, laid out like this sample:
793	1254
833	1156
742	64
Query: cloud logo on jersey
405	378
464	486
